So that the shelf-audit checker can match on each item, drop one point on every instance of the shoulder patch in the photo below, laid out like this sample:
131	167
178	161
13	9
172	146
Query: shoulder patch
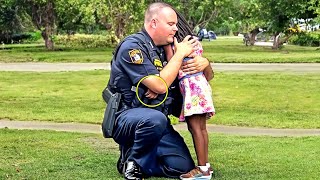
136	56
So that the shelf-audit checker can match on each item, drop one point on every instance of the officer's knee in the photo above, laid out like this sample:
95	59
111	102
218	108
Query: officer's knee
156	119
178	168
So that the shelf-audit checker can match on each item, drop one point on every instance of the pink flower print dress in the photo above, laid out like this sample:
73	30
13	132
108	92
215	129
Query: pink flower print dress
196	92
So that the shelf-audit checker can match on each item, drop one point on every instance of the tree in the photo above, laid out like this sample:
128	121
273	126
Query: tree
246	13
42	13
200	13
70	18
278	14
12	20
122	17
311	15
8	17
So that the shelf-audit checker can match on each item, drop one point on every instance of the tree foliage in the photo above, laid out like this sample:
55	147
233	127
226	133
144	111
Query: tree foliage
12	20
277	15
122	17
42	13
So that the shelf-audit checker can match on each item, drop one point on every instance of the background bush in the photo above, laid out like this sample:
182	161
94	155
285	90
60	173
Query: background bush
306	39
86	41
34	37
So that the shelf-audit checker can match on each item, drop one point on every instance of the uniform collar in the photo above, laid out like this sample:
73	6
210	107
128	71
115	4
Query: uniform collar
159	50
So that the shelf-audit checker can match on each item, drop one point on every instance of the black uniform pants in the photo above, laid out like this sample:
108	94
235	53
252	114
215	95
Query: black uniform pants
154	145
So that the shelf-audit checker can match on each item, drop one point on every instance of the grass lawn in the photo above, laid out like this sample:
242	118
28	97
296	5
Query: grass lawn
28	154
38	53
229	50
281	100
278	100
222	50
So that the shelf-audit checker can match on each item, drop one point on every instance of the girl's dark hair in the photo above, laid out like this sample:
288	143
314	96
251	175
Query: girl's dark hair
183	28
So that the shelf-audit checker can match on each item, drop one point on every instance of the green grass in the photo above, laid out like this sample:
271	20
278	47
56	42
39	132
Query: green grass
278	100
52	155
232	50
222	50
281	100
28	154
37	53
63	96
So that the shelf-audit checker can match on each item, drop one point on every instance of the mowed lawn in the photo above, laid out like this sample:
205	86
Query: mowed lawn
38	53
277	100
232	50
32	154
222	50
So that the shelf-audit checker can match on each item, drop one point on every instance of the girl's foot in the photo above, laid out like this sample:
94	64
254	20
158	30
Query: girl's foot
196	173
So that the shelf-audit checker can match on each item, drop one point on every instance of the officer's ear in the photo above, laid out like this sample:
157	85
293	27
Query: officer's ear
154	23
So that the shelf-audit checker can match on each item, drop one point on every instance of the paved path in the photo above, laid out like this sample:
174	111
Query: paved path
51	67
92	128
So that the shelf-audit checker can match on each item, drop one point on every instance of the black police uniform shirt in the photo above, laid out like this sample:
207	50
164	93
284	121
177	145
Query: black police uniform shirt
132	64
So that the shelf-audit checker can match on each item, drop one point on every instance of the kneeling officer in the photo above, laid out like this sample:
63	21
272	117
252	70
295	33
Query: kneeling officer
148	143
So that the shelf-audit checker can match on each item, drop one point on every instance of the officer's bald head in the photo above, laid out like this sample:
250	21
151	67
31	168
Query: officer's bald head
153	11
160	23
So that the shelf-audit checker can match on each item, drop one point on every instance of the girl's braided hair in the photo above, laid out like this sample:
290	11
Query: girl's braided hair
183	28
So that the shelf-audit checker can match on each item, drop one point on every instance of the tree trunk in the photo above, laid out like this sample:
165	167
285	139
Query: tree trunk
43	16
252	38
276	41
104	22
253	35
122	20
49	25
46	35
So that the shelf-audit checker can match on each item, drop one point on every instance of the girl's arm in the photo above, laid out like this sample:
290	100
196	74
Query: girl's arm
198	63
208	73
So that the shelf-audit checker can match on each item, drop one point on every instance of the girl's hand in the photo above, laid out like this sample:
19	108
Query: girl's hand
195	65
150	94
186	47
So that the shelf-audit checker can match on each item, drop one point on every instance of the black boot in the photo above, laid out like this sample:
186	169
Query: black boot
120	165
124	153
132	171
120	162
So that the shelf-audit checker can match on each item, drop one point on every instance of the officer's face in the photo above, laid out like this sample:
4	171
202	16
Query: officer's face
166	26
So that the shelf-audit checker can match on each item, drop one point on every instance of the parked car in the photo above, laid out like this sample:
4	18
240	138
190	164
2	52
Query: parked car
204	34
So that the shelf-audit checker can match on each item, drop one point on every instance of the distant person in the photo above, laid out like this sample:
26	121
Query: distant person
197	104
204	30
201	34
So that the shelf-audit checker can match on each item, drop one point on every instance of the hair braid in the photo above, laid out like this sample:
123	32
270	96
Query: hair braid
183	28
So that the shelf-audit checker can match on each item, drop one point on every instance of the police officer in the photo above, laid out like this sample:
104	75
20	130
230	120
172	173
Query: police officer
149	145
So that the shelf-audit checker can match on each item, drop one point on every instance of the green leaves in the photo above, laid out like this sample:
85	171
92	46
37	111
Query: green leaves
125	17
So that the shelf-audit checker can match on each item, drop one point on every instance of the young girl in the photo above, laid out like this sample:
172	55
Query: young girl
197	106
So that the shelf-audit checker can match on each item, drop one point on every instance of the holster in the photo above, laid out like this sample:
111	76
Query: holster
113	101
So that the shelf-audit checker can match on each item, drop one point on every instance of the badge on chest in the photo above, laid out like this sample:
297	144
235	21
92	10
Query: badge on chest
158	64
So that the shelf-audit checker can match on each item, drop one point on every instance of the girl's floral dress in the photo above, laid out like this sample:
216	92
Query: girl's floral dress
196	92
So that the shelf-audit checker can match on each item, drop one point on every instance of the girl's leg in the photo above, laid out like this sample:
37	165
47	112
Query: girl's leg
204	131
196	126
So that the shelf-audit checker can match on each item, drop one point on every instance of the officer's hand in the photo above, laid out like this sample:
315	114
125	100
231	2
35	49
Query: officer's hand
150	94
187	46
195	65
